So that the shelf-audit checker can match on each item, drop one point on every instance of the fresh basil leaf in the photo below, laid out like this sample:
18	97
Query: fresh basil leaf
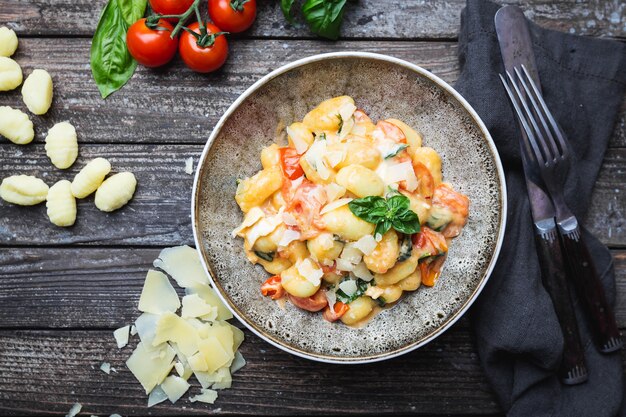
285	6
382	227
381	301
368	208
396	151
398	203
406	222
324	16
340	123
266	256
361	287
132	10
111	63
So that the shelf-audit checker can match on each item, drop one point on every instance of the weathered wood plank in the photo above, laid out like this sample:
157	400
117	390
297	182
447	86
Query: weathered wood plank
164	192
94	288
45	372
363	19
175	105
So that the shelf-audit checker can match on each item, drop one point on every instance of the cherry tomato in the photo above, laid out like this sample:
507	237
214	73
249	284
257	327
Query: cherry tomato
170	7
290	163
151	47
203	58
232	15
273	288
316	302
339	309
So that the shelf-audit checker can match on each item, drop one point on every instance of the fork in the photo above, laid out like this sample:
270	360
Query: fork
549	150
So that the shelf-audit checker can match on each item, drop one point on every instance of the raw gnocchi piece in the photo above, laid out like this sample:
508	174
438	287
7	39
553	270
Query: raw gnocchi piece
61	204
90	177
16	126
24	190
10	74
62	145
37	91
116	191
8	41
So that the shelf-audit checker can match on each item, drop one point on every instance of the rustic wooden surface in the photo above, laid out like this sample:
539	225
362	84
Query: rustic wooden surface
62	292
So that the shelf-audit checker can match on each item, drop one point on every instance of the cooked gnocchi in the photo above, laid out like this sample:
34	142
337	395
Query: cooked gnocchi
37	92
62	145
16	126
116	191
348	215
8	41
10	74
24	190
61	204
90	177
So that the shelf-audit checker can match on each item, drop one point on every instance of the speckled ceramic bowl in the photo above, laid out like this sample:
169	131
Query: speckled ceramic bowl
384	87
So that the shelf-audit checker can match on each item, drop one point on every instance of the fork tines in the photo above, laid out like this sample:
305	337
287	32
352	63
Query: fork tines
535	117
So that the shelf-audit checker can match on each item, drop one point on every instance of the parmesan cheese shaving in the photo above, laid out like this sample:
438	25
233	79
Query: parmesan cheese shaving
289	219
331	296
214	353
288	237
374	292
194	306
146	328
254	215
174	387
180	368
158	295
334	191
74	410
361	271
238	362
309	271
334	158
133	330
300	144
366	244
263	227
157	396
173	328
346	128
335	205
392	173
207	396
150	371
189	165
106	368
351	253
315	156
183	264
225	379
348	287
121	336
343	265
208	294
359	130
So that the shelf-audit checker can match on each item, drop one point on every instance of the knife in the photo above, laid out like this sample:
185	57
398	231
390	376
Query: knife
516	49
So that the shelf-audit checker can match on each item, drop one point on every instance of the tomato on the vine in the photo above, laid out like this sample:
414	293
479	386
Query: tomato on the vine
151	47
170	6
203	52
232	15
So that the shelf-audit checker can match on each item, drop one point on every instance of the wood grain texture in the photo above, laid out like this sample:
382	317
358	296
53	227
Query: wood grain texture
159	214
363	19
175	105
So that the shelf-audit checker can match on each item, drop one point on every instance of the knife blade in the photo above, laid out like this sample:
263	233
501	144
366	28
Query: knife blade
516	49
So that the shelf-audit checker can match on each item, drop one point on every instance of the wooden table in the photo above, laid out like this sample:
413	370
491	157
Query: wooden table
63	291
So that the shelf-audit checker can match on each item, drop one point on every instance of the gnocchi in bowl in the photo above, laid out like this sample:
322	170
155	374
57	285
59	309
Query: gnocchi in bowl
347	214
308	200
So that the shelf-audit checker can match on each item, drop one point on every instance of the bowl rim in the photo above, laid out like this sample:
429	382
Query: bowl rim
379	356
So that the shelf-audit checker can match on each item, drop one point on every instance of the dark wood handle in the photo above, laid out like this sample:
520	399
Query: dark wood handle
587	282
572	370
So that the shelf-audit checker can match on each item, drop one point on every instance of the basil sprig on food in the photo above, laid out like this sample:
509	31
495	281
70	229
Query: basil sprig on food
361	287
386	213
111	63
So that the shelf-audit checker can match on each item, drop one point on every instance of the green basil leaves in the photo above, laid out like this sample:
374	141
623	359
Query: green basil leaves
324	17
386	213
111	63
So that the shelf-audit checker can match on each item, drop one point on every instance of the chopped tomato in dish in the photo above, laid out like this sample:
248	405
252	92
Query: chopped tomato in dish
305	206
290	163
360	116
426	183
445	197
334	314
390	131
273	288
316	302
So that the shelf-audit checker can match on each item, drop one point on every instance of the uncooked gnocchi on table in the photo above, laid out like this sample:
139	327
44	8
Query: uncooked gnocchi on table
24	190
116	191
350	214
61	204
10	74
37	92
16	126
90	177
8	41
62	145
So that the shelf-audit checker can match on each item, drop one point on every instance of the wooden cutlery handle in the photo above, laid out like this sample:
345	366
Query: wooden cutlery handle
572	370
591	292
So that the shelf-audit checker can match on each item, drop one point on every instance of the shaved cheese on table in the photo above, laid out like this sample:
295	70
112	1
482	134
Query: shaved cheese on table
74	410
207	396
335	205
150	371
121	336
106	368
173	328
180	368
206	379
366	244
146	328
189	165
133	330
210	296
157	396
194	306
158	295
174	387
238	362
197	363
309	270
214	353
183	264
225	379
254	215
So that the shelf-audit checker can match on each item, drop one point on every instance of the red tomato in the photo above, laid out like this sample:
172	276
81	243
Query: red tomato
170	7
339	309
426	186
273	288
203	58
305	205
391	131
151	47
232	15
290	163
316	302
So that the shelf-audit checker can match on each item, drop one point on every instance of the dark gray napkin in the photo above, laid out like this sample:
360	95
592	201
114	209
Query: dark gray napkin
516	330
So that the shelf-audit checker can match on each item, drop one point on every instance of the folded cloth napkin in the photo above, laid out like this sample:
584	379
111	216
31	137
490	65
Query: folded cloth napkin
516	331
